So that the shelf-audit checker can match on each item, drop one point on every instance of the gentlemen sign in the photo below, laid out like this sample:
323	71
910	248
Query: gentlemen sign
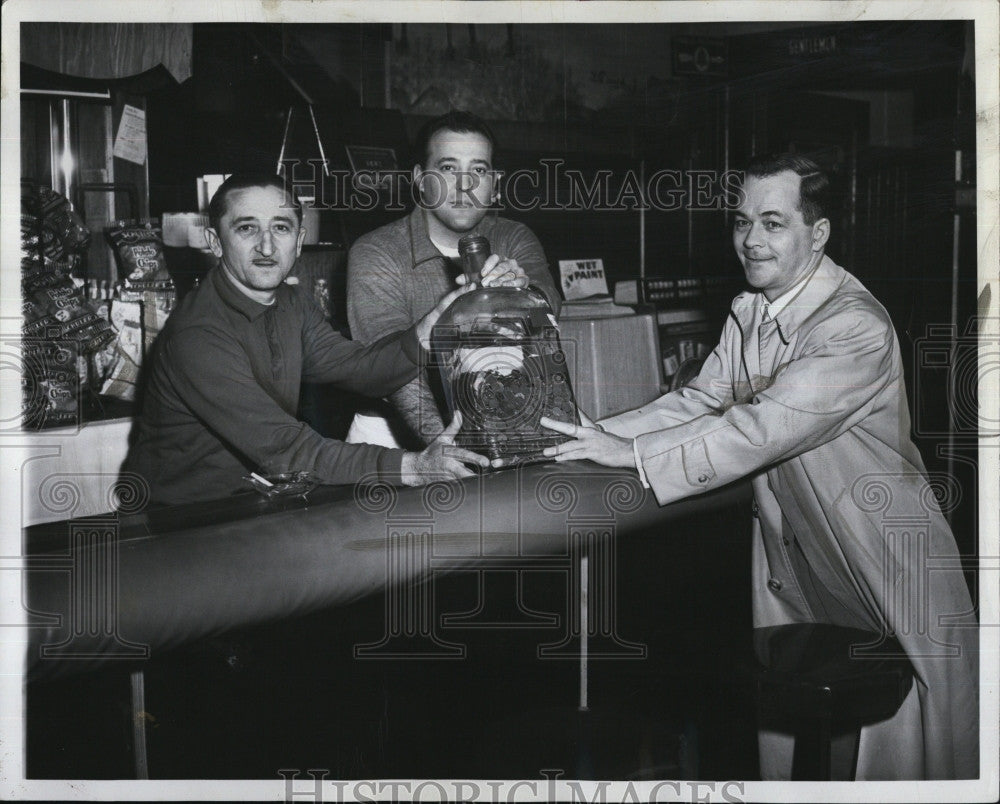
812	45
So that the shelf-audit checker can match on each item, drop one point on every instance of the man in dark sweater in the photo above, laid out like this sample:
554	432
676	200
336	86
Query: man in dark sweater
224	387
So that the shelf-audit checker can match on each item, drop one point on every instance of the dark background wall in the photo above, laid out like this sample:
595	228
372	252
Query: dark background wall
601	97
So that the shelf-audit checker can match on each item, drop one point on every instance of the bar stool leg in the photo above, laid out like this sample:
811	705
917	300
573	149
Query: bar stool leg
811	760
137	684
844	754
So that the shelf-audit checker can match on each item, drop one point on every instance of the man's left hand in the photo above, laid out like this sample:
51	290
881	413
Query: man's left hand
589	443
500	272
441	460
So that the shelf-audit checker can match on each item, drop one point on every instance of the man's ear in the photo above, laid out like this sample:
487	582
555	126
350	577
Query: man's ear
417	174
214	243
300	240
821	233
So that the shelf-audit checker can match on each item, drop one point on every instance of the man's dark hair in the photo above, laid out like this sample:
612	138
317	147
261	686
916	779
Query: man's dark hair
814	189
455	120
242	181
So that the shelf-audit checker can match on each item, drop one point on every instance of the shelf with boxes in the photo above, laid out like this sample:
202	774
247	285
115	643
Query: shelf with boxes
661	291
688	314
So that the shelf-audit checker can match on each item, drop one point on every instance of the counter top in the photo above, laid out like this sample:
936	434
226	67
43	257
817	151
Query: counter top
169	576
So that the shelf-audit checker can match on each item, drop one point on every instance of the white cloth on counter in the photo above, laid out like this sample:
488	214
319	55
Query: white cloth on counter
367	429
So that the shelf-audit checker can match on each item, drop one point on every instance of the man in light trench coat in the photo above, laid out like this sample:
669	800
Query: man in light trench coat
805	394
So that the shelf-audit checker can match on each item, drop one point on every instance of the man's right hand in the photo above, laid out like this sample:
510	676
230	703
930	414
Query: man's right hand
426	324
441	460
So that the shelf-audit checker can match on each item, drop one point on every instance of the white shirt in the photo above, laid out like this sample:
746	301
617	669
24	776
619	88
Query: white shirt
780	303
451	253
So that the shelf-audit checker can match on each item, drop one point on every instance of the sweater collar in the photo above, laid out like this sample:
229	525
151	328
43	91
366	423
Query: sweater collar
423	250
233	297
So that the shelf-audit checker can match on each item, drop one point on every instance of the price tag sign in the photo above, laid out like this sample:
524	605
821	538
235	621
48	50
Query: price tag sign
582	278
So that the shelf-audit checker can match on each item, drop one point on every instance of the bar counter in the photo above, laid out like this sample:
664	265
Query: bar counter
140	582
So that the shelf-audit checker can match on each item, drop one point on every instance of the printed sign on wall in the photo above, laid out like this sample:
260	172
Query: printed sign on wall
130	143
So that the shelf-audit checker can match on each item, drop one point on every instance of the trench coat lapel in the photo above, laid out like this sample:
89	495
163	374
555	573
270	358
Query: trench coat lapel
744	310
827	276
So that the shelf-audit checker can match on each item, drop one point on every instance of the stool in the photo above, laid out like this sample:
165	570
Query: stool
828	679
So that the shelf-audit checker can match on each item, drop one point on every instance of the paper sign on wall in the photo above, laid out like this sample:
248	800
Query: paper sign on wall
582	278
130	143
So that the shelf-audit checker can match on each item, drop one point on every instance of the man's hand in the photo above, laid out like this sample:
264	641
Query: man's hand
442	460
589	443
500	272
426	324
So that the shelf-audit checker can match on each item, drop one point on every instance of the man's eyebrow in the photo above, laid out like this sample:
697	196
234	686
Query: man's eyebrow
244	219
768	213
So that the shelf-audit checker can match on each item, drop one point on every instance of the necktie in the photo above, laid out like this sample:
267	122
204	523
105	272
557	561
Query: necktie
768	343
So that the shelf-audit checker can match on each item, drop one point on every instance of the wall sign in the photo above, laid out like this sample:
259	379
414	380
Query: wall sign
130	143
812	45
582	278
371	164
699	55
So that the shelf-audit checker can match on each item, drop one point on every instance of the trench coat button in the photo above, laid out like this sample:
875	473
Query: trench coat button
756	510
784	541
774	585
702	478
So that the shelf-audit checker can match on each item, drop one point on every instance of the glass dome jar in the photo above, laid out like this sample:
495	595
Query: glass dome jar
502	366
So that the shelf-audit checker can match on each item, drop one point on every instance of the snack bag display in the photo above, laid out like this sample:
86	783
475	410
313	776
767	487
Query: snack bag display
71	343
141	257
50	384
143	301
50	229
60	328
125	357
54	306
